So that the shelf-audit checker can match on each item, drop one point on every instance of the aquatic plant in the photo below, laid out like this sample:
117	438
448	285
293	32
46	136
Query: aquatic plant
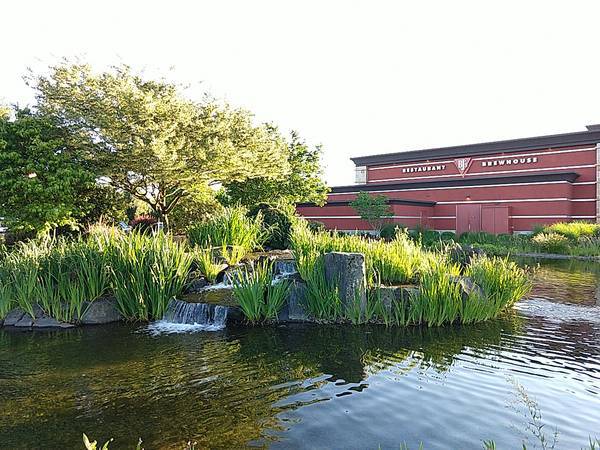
550	242
230	227
502	283
147	272
209	267
439	297
260	297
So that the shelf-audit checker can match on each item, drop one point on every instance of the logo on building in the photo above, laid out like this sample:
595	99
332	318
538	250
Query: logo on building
462	164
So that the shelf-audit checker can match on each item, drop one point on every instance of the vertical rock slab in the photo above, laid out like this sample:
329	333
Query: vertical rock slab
348	272
294	310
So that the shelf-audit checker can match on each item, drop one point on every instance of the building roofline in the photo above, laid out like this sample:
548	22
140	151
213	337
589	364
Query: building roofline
485	148
475	181
392	201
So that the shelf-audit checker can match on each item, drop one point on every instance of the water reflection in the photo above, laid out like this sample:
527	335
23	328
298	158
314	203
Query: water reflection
311	386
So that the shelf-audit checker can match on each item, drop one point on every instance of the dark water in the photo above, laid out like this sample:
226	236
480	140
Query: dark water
316	387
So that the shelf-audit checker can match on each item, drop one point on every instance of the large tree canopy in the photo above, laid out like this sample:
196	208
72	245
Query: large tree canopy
303	183
153	143
43	180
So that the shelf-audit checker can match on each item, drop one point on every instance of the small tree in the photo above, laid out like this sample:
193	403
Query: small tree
375	209
43	182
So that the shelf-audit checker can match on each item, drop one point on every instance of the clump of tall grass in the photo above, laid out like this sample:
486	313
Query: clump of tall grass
260	297
61	277
551	242
502	283
147	272
230	227
208	265
396	262
439	297
70	278
573	230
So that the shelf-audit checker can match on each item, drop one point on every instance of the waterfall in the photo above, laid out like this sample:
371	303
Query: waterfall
182	317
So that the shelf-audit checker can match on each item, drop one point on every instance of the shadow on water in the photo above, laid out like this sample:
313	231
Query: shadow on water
306	385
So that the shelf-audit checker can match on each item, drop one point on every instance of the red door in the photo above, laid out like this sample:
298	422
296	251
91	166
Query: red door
468	218
494	219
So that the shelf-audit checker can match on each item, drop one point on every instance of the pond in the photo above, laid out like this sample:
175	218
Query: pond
306	386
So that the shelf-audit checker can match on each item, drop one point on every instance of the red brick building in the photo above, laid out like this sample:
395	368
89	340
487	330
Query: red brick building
498	187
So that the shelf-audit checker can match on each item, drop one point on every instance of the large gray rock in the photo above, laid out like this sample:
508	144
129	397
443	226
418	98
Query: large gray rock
347	271
13	317
101	311
468	287
49	322
25	322
390	295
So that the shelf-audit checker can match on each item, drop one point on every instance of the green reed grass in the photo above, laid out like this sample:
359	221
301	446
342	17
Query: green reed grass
231	227
260	298
147	272
439	298
502	282
208	265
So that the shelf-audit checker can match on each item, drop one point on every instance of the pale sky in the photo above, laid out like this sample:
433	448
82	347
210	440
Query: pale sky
358	77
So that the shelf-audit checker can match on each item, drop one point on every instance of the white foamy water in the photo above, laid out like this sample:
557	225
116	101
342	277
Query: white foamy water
165	327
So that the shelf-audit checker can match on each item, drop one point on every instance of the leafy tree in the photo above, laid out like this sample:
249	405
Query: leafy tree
303	182
375	209
41	177
150	141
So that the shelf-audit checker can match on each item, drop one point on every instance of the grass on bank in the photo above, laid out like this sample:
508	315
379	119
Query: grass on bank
568	238
441	297
64	277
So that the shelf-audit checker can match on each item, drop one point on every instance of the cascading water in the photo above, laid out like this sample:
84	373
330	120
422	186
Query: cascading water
182	317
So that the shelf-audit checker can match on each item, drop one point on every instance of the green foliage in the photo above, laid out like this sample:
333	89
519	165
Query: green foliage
388	231
260	297
43	180
208	265
230	227
375	209
322	299
277	221
148	140
147	272
395	262
551	242
573	230
62	277
439	298
442	296
503	283
302	183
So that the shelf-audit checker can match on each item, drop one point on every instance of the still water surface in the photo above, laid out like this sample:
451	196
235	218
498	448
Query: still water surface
305	386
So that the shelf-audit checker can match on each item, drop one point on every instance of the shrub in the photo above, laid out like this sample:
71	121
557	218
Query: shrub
551	242
277	222
388	231
143	224
573	230
230	227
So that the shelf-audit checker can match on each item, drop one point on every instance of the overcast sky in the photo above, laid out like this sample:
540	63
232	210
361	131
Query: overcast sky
358	77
